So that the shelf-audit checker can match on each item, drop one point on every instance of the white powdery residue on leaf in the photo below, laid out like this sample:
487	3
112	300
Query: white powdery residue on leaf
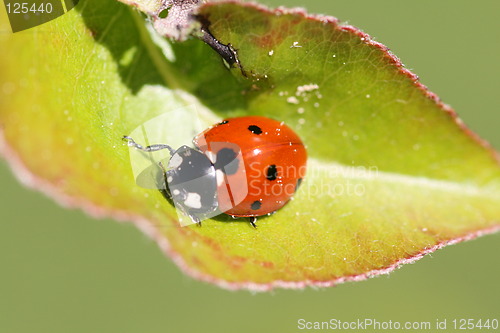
295	45
306	88
307	91
292	100
271	52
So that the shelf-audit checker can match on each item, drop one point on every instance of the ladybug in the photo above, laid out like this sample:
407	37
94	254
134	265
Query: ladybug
244	167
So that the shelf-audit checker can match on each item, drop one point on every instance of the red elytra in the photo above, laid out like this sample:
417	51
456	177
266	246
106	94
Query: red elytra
274	160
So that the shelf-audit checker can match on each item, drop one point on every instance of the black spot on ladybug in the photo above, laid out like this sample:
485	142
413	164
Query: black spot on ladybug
226	161
255	129
299	181
272	172
223	122
256	205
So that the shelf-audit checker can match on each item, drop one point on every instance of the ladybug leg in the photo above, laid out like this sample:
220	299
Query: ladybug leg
156	147
164	188
252	221
195	219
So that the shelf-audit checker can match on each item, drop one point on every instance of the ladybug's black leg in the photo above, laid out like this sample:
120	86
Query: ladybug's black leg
156	147
252	221
165	190
195	219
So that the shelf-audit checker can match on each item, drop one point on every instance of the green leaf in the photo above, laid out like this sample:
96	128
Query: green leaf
392	173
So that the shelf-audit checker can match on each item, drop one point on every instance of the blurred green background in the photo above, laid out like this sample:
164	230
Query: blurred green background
61	271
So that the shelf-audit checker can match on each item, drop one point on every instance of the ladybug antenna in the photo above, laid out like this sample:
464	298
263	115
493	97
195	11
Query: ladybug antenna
151	148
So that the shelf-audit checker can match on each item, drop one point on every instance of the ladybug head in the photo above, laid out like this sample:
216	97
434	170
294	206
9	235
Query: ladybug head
191	182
